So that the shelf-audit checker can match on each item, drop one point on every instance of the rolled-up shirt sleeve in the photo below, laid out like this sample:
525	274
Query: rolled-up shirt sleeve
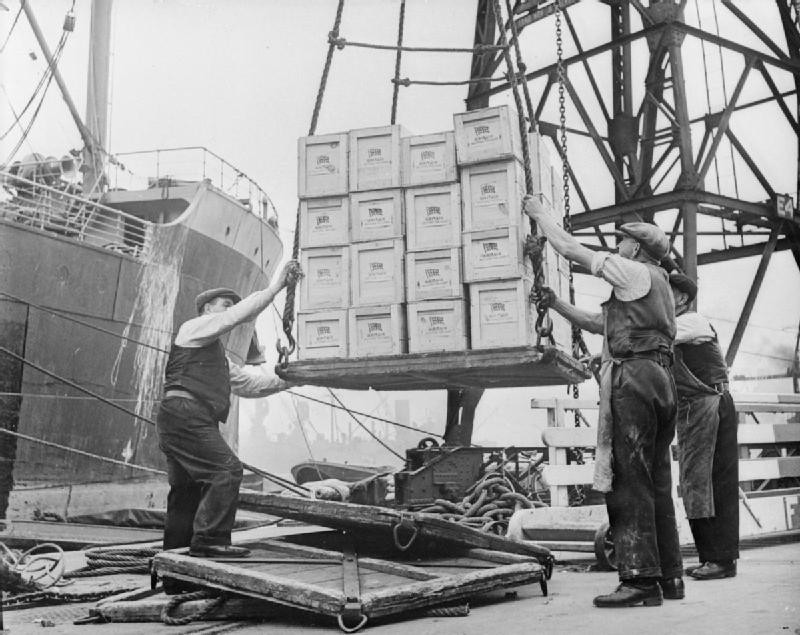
630	279
693	328
204	329
254	381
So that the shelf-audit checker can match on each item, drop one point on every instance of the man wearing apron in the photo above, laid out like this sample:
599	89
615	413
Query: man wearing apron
708	453
638	405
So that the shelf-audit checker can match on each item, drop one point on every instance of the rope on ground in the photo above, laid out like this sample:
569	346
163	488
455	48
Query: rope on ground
110	561
456	610
213	603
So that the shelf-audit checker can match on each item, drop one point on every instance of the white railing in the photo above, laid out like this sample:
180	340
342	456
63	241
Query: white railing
58	209
170	166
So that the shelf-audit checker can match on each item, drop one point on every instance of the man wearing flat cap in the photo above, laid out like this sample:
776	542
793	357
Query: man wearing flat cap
204	474
638	404
708	451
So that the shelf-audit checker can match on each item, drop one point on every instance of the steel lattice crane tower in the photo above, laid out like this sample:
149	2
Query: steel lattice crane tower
633	99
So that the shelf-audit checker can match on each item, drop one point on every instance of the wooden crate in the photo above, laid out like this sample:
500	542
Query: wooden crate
322	334
544	160
375	158
324	222
429	159
377	330
376	215
437	325
378	272
487	134
434	275
501	314
492	195
322	167
433	217
495	254
326	284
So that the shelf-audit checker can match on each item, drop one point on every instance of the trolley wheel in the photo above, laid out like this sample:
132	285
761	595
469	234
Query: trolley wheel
604	548
427	443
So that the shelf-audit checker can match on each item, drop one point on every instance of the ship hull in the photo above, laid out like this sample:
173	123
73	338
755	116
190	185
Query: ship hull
56	289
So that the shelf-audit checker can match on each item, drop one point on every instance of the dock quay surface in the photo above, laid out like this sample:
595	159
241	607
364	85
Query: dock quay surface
763	598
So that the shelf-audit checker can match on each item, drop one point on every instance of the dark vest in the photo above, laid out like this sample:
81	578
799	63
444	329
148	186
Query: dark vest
643	325
204	373
705	360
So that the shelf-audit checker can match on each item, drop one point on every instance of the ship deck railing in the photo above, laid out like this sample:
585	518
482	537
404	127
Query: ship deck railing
164	167
59	209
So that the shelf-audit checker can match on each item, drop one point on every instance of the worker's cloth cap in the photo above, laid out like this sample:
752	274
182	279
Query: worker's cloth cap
652	239
683	283
210	294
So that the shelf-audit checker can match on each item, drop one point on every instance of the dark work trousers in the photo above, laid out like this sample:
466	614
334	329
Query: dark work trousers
640	507
717	538
204	476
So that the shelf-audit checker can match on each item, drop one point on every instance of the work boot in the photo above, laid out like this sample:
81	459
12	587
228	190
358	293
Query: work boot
694	567
672	588
715	570
219	551
631	593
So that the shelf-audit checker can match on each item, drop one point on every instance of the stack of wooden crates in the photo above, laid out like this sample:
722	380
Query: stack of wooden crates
413	244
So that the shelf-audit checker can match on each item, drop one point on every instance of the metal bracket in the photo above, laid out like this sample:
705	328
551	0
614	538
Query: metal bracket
351	585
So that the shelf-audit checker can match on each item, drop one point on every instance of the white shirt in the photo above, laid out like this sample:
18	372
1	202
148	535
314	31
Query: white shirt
246	381
630	279
693	328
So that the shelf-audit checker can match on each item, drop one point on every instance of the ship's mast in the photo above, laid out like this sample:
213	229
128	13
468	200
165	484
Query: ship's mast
93	135
97	92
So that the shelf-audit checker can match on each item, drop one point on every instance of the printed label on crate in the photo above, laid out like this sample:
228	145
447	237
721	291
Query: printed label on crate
489	194
322	159
432	216
374	331
374	157
325	278
434	277
376	215
427	159
435	325
498	309
324	222
323	333
377	271
483	133
492	252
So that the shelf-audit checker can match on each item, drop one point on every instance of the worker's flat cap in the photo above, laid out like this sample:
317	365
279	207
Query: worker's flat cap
652	239
683	283
210	294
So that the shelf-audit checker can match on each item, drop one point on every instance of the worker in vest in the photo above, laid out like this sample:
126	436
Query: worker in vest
204	474
708	452
638	404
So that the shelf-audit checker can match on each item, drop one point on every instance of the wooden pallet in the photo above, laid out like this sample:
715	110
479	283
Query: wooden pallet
344	580
395	526
491	368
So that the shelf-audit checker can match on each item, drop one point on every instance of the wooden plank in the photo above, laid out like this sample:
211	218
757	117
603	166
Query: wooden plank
367	518
764	469
149	609
768	434
749	470
569	437
491	368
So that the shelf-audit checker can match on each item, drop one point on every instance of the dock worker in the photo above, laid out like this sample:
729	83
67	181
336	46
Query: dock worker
203	472
638	404
708	451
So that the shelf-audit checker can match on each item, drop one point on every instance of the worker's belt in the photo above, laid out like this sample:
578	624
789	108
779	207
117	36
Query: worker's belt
178	392
659	357
721	386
